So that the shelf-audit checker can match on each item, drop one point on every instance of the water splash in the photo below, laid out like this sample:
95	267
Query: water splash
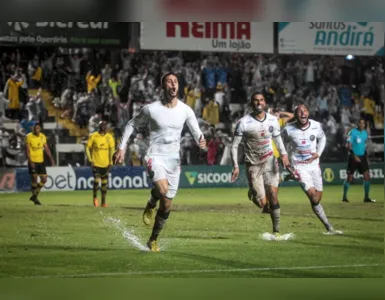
128	234
271	237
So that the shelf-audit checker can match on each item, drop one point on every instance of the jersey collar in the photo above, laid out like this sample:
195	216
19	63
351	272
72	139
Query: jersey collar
252	115
304	129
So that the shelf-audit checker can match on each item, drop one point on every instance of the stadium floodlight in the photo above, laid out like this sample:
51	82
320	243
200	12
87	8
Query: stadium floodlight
349	57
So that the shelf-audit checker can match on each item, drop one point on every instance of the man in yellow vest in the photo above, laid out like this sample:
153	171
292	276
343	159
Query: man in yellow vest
272	166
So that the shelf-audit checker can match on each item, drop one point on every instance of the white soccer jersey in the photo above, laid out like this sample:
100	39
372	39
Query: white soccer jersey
301	143
257	137
166	125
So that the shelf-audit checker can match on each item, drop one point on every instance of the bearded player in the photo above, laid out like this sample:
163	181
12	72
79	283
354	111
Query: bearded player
306	141
165	119
258	129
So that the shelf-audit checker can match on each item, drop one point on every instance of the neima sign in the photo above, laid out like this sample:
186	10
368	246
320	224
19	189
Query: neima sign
66	34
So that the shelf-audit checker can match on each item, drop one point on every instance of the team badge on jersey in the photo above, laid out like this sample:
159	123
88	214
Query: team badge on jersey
312	137
271	128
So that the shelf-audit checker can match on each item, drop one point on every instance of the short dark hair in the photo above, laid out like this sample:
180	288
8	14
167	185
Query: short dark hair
254	94
164	77
361	119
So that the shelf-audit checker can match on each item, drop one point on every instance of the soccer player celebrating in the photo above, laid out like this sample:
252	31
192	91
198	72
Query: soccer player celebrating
272	165
166	119
36	143
258	129
100	149
307	141
358	159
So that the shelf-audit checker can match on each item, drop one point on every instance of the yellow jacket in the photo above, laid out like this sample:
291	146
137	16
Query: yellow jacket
92	82
211	113
369	106
13	93
38	74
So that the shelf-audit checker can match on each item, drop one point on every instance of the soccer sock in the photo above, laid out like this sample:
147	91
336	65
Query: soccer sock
320	213
39	187
160	221
155	197
275	215
346	189
104	189
96	187
33	187
367	189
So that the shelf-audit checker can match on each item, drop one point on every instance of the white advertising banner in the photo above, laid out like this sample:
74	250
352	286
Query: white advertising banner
331	38
253	37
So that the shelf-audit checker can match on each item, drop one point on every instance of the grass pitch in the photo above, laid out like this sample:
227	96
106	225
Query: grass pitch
210	233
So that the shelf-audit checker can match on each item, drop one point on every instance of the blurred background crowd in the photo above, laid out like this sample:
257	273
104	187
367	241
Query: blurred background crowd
87	86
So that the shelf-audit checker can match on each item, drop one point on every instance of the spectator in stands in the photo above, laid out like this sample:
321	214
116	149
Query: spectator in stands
47	66
190	97
213	147
76	61
82	112
379	118
111	111
93	124
15	153
106	74
209	81
219	97
114	84
322	105
368	111
3	105
92	81
346	119
126	58
60	77
211	112
26	125
185	148
35	73
12	91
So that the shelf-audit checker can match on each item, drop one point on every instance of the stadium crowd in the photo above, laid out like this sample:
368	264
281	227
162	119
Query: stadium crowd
89	86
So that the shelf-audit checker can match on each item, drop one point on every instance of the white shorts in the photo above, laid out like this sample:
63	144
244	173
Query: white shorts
271	173
310	177
159	167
